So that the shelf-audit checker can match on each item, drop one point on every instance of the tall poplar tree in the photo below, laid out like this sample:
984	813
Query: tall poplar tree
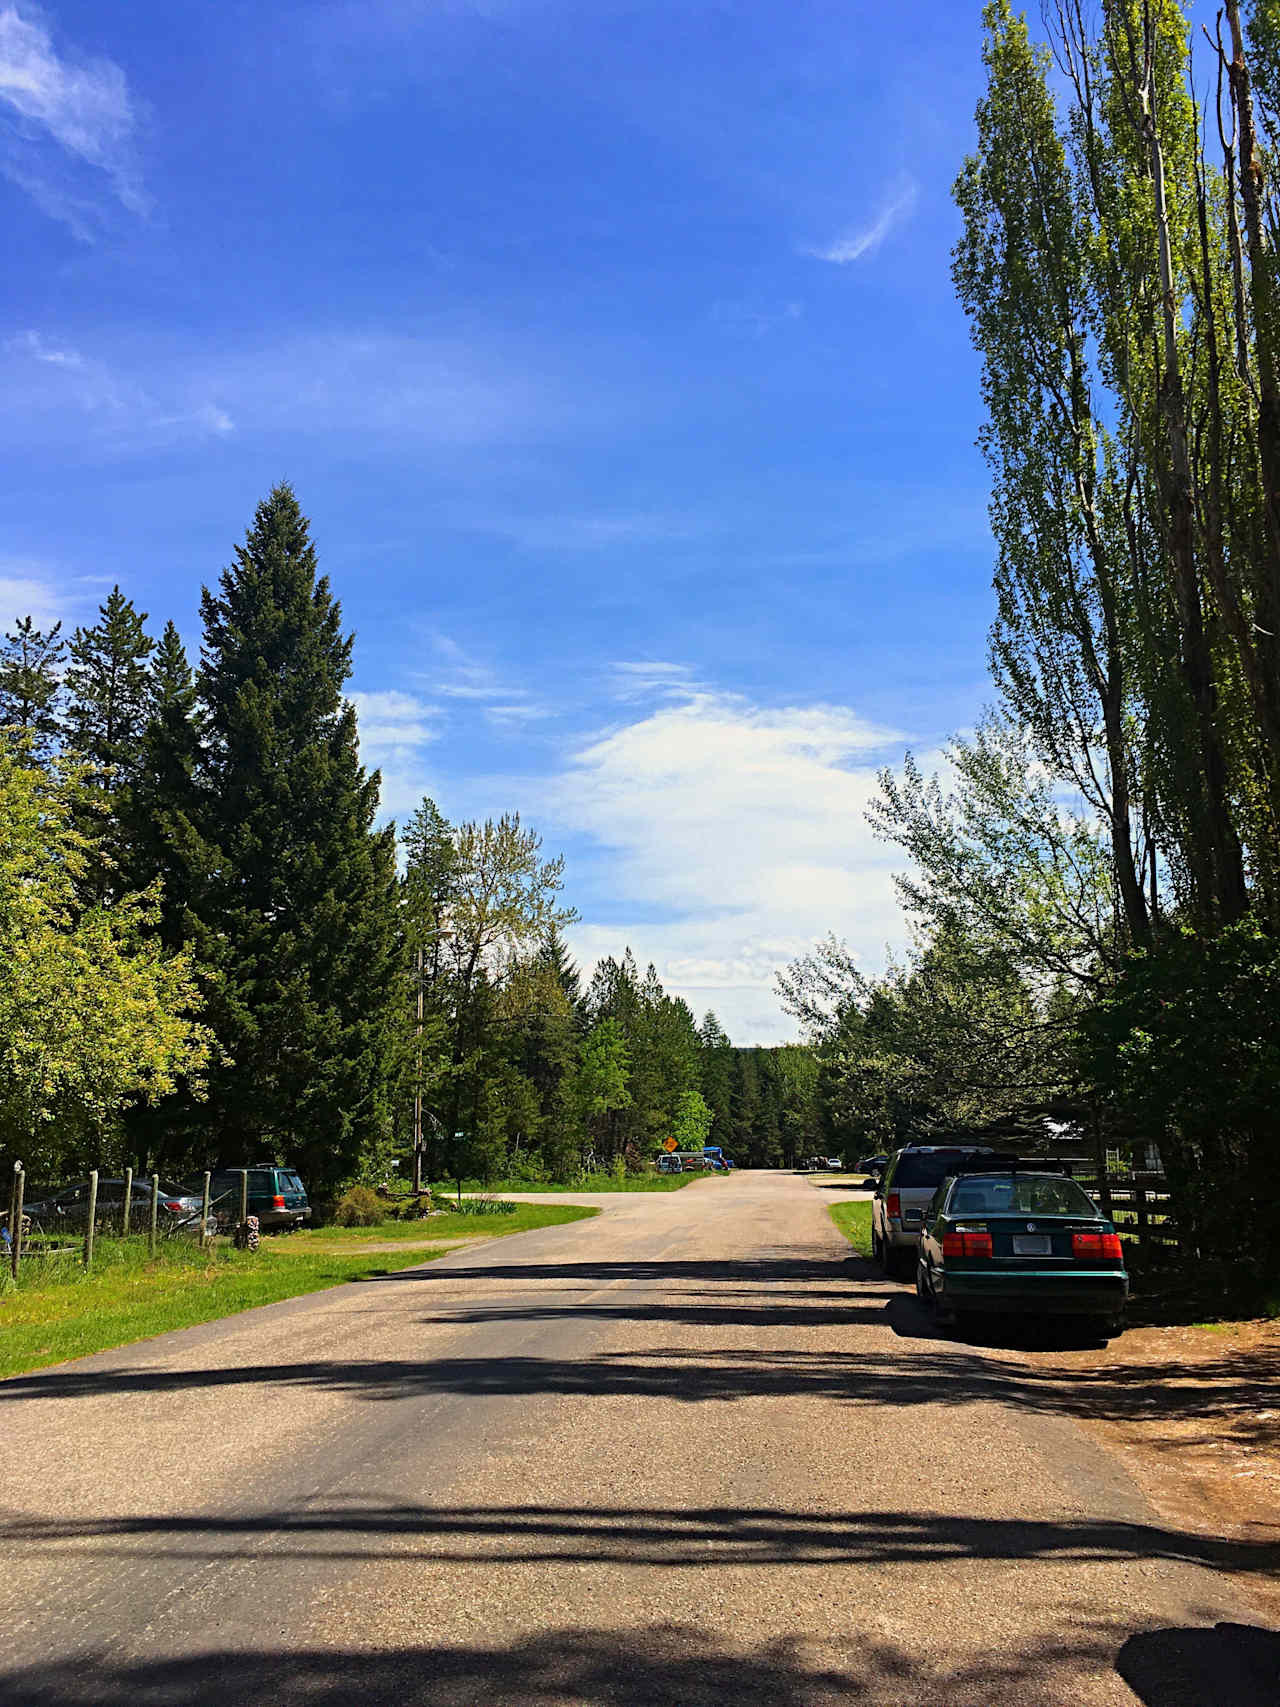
296	912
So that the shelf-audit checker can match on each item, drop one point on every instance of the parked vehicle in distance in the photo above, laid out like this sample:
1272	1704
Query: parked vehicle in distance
1030	1243
812	1165
834	1165
903	1194
872	1166
177	1209
276	1196
670	1164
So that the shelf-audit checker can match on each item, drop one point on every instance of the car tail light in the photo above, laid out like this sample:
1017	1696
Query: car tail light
967	1242
176	1207
277	1202
1096	1247
895	1206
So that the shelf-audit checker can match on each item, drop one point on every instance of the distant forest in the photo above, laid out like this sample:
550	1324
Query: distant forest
213	954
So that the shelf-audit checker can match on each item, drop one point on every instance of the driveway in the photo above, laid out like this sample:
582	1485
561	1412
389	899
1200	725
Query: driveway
690	1452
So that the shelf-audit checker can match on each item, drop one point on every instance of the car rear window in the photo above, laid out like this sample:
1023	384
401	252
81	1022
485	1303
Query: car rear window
926	1167
1019	1194
293	1183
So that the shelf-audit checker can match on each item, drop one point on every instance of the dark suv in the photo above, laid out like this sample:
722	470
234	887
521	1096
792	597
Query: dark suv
276	1196
905	1191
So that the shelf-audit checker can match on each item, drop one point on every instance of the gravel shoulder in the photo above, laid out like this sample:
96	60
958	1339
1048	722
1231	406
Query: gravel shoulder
687	1452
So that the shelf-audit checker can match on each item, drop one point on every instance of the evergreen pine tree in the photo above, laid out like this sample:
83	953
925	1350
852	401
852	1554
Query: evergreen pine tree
107	688
556	957
160	841
715	1071
106	716
296	915
31	684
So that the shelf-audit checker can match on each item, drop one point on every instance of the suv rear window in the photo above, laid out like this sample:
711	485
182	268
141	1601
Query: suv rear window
926	1167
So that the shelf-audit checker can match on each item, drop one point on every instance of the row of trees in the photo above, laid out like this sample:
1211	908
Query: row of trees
209	951
1095	882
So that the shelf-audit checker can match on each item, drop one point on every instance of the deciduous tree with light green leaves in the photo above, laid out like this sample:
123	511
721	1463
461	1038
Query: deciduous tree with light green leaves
94	1013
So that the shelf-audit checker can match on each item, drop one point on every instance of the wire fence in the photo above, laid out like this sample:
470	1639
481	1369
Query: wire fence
66	1220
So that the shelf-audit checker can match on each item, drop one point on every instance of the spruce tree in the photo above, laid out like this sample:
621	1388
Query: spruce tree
556	957
31	684
106	716
106	684
161	843
715	1063
296	913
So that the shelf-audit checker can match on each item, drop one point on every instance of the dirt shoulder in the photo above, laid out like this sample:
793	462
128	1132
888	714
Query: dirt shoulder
1195	1414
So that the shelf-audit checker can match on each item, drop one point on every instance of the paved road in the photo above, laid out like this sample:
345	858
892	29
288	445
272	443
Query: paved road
686	1453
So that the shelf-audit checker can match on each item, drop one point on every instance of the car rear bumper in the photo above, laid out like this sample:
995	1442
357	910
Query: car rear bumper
1051	1292
902	1238
280	1217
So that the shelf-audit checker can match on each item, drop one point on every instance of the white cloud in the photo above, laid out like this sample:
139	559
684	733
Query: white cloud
742	829
33	345
868	238
392	724
26	591
68	114
644	678
46	377
394	729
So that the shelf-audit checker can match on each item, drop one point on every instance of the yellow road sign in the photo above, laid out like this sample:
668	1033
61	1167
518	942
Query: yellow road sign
668	1144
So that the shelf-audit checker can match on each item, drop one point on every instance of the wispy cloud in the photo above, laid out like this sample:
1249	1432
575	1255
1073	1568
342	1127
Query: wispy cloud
25	590
585	533
44	377
395	728
751	320
866	239
71	124
649	678
33	345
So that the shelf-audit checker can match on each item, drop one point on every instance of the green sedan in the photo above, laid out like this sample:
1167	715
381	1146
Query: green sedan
1019	1242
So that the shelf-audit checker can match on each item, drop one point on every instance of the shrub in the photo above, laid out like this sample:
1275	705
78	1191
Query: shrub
485	1206
359	1206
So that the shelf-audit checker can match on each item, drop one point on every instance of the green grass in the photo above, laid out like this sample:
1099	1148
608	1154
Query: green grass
59	1312
593	1182
854	1221
524	1218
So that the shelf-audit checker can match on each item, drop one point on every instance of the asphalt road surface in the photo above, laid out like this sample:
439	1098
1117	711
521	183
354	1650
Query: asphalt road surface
689	1452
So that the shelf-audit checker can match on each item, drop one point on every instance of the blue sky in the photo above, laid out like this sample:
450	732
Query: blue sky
612	351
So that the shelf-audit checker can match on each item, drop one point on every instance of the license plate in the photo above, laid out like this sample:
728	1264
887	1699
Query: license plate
1032	1245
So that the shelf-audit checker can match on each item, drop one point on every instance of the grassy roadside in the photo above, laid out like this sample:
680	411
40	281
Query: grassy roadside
595	1182
854	1221
130	1297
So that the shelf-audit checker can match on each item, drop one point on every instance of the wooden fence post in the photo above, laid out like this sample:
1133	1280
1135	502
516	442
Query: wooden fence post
1144	1223
244	1202
15	1218
127	1207
204	1212
93	1216
155	1211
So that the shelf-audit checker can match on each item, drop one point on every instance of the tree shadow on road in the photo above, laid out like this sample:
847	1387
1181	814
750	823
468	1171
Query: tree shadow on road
663	1665
707	1538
